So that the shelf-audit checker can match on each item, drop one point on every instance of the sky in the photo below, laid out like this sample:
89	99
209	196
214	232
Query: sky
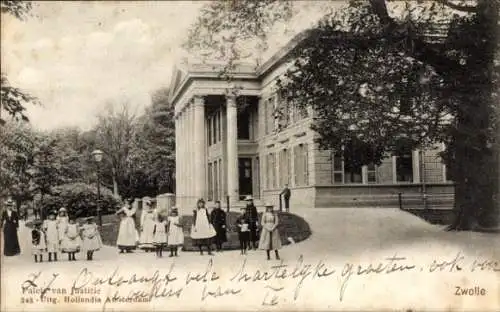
78	56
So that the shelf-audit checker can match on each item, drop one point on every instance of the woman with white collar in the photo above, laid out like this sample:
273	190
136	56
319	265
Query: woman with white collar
148	218
10	224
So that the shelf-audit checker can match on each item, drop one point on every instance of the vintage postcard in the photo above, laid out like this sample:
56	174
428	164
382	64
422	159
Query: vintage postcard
247	155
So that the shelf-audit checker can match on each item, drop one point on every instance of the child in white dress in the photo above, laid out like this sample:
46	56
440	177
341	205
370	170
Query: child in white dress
38	241
71	241
91	238
175	235
62	221
160	235
51	235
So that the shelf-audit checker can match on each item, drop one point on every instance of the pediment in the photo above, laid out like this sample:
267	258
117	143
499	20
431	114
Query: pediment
178	75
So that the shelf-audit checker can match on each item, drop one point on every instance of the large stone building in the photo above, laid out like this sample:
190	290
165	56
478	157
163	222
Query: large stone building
229	142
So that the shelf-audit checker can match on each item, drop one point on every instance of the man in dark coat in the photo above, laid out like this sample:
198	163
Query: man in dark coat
286	193
253	216
218	220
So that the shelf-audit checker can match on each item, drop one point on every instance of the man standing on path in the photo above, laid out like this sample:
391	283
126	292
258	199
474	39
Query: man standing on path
286	193
218	220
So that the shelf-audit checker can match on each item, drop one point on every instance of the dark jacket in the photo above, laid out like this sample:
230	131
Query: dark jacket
286	193
218	220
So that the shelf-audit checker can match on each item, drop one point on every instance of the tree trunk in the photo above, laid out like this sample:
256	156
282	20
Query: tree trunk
116	194
476	169
42	208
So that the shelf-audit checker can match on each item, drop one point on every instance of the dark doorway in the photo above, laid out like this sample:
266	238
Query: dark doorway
245	176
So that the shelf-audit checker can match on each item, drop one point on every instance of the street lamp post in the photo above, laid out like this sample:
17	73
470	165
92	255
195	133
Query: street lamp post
98	158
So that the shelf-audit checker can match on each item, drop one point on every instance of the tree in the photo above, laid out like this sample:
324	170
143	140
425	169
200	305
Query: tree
17	143
19	9
114	136
13	99
444	83
154	148
46	166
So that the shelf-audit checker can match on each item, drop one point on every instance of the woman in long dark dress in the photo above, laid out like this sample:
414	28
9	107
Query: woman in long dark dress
10	224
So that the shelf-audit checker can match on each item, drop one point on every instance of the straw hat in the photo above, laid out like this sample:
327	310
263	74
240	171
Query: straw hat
37	222
248	197
268	204
62	209
9	202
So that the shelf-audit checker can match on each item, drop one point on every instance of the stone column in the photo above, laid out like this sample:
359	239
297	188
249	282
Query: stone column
199	147
183	144
189	157
232	149
178	175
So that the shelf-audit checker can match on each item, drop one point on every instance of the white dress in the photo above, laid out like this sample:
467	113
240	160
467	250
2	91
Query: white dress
147	224
39	245
71	241
202	229
127	233
91	237
160	235
51	235
61	225
175	234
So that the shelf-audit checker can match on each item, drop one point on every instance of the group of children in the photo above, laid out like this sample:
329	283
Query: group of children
168	232
157	232
61	233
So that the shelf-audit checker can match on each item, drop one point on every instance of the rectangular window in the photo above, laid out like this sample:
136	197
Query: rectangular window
284	166
244	124
220	186
209	130
301	162
271	170
216	181
404	167
219	126
338	168
270	115
210	182
264	115
257	177
371	172
214	129
305	154
344	173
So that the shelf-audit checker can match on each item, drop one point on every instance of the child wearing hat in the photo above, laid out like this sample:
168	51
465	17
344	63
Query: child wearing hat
38	241
91	238
175	235
51	235
71	241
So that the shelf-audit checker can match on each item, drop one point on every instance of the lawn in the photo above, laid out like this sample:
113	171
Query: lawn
291	226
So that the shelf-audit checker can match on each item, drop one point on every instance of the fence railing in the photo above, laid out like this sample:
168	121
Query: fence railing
443	201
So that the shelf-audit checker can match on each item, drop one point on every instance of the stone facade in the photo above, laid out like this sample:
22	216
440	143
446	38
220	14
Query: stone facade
230	142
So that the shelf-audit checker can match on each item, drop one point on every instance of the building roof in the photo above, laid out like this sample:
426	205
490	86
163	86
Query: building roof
186	72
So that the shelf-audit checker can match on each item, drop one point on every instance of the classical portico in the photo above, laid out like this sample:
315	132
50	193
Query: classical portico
206	124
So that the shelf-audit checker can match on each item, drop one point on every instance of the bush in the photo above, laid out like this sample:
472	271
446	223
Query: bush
80	199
